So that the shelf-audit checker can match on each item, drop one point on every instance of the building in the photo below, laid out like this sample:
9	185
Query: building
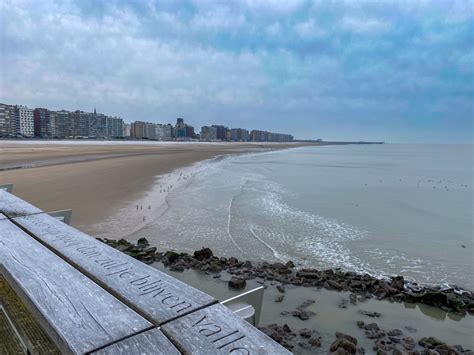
221	132
264	136
208	133
190	131
239	135
41	122
126	130
8	121
164	132
64	121
25	121
180	129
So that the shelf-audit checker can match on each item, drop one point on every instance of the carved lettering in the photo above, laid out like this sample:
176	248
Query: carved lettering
239	350
184	303
141	281
167	298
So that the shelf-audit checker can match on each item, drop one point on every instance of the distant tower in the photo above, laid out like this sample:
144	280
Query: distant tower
95	112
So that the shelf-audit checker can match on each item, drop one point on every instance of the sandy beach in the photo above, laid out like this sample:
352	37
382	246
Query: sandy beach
96	179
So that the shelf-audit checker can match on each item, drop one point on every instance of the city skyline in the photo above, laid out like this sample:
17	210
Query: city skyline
395	71
20	121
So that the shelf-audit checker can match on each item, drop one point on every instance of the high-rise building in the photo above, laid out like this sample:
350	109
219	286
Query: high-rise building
64	120
239	135
190	131
164	132
221	132
26	121
180	129
8	121
126	130
41	122
208	133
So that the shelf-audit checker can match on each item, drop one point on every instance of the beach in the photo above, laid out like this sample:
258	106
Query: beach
95	179
184	196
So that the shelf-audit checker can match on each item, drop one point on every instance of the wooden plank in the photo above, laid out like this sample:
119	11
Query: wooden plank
150	342
151	292
12	206
77	314
216	330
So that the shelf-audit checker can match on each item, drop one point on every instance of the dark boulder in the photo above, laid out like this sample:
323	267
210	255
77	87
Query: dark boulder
204	253
237	283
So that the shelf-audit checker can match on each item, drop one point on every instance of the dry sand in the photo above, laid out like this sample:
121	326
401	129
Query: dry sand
94	179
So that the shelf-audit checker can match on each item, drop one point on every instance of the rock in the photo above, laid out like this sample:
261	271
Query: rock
303	315
347	337
360	324
233	261
394	333
398	283
430	342
371	326
446	350
169	258
203	254
343	304
150	250
384	345
408	343
237	283
305	333
290	264
305	304
247	265
370	314
410	329
142	243
281	288
315	342
340	351
341	343
279	298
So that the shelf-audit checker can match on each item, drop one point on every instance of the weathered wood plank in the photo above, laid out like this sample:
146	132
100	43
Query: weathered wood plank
12	206
216	330
151	292
77	314
150	342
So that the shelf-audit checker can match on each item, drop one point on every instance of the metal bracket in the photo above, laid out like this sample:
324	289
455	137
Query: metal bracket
63	215
248	305
7	187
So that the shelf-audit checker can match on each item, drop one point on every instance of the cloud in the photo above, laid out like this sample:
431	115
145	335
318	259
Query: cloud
279	65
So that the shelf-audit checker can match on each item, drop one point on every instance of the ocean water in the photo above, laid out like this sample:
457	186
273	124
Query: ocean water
381	209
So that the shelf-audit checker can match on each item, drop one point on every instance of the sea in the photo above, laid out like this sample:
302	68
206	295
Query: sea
391	209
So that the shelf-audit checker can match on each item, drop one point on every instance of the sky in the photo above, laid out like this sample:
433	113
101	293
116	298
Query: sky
394	71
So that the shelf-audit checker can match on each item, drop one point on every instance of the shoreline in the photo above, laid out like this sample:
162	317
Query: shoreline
97	180
282	282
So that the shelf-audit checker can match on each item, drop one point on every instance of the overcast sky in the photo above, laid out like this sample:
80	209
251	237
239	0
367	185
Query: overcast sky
378	70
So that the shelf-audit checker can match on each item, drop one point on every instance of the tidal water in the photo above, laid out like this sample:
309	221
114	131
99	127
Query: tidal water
381	209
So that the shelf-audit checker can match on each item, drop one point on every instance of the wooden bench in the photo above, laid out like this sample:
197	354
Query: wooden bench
156	295
76	313
216	330
12	206
193	321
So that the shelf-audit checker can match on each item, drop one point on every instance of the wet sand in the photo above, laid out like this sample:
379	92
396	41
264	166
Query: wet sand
94	179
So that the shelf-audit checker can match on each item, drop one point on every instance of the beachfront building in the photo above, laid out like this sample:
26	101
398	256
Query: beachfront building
164	132
239	135
180	129
41	122
25	121
264	136
126	130
208	133
64	124
221	132
8	126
